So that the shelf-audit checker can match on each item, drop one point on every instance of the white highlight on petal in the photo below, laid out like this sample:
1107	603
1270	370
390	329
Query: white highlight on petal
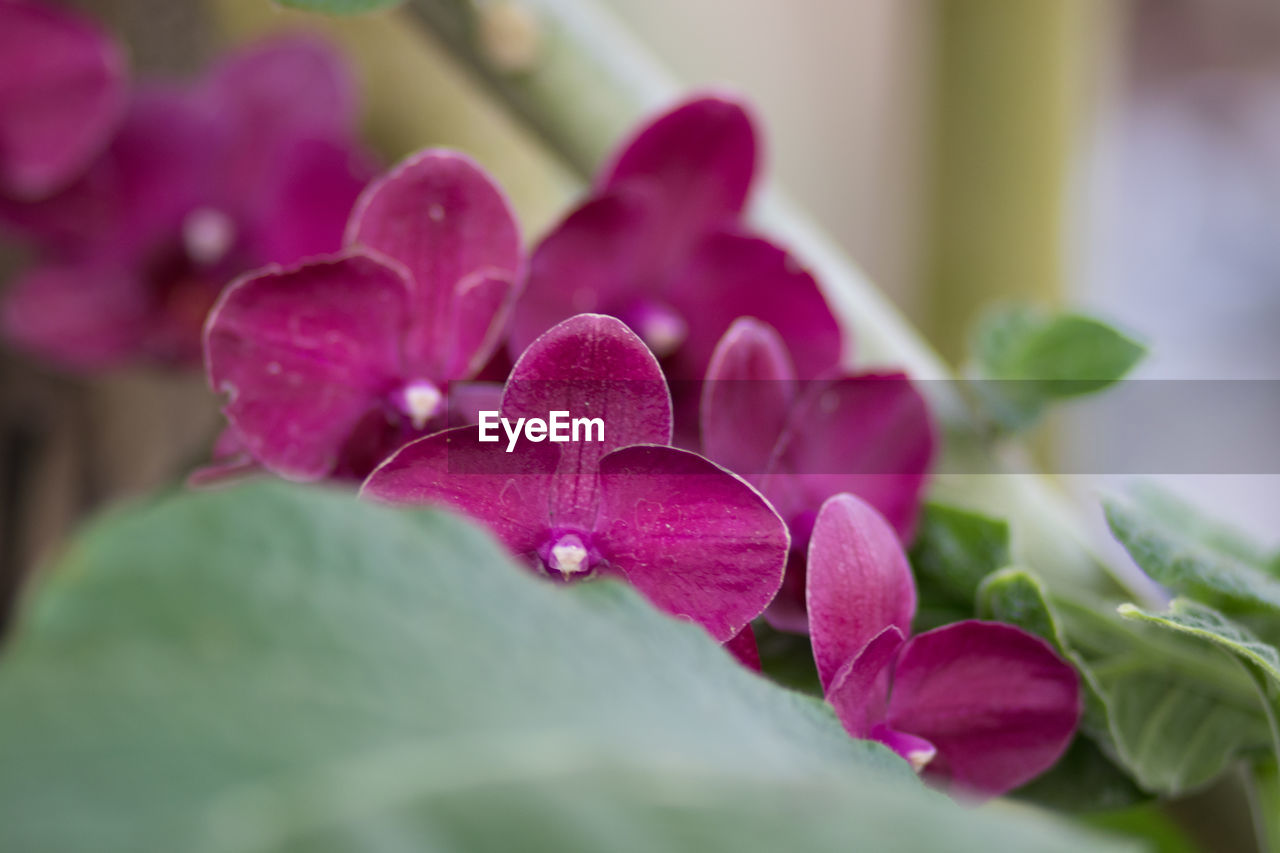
207	235
919	758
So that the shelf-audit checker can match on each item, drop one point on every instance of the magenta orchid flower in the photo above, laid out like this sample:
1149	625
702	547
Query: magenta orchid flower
62	92
801	443
981	707
698	541
660	244
256	163
331	365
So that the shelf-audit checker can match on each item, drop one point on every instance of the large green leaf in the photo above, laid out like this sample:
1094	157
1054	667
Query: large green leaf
1197	620
340	7
1174	554
1027	359
272	668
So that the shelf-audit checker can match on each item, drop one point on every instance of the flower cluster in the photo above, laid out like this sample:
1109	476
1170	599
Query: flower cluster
730	467
354	359
141	201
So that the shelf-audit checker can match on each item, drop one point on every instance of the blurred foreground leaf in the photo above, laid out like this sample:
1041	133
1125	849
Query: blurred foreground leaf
274	668
340	7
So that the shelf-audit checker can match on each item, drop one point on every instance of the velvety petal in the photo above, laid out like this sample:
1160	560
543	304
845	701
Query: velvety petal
77	316
730	276
859	690
997	702
596	260
268	96
699	159
743	647
859	583
441	216
62	92
507	492
481	305
304	354
308	199
746	397
590	366
231	463
153	172
698	541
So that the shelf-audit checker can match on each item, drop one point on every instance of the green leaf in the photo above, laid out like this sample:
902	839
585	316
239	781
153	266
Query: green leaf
1083	780
1026	359
1178	717
1174	555
1174	512
953	551
340	7
273	668
1205	623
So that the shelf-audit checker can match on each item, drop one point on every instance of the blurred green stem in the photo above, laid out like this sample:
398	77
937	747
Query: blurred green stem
581	83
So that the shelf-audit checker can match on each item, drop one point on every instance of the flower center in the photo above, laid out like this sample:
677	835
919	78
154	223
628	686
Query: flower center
419	400
567	556
207	235
658	325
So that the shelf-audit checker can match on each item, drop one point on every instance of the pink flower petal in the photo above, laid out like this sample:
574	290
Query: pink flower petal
742	646
62	92
998	703
696	540
304	354
505	491
859	691
231	462
597	260
268	96
442	217
746	397
481	305
859	583
308	198
698	159
590	366
869	435
80	317
730	276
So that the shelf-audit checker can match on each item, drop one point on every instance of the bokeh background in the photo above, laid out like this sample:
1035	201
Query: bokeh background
1118	155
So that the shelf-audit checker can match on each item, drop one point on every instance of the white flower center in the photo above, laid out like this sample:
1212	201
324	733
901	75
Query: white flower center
421	402
207	235
569	555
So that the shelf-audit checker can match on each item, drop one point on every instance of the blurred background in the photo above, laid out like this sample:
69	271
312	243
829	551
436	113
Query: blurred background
1118	155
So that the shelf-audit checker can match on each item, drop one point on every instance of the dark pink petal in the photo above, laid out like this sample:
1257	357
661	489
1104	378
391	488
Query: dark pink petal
916	751
62	91
786	612
136	193
481	304
869	435
267	97
304	355
730	276
596	260
746	397
698	541
859	690
859	583
80	317
997	702
231	463
590	366
743	647
698	159
441	216
308	198
468	399
507	492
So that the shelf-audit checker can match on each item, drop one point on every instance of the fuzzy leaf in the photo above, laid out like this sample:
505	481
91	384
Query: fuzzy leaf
954	550
340	7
